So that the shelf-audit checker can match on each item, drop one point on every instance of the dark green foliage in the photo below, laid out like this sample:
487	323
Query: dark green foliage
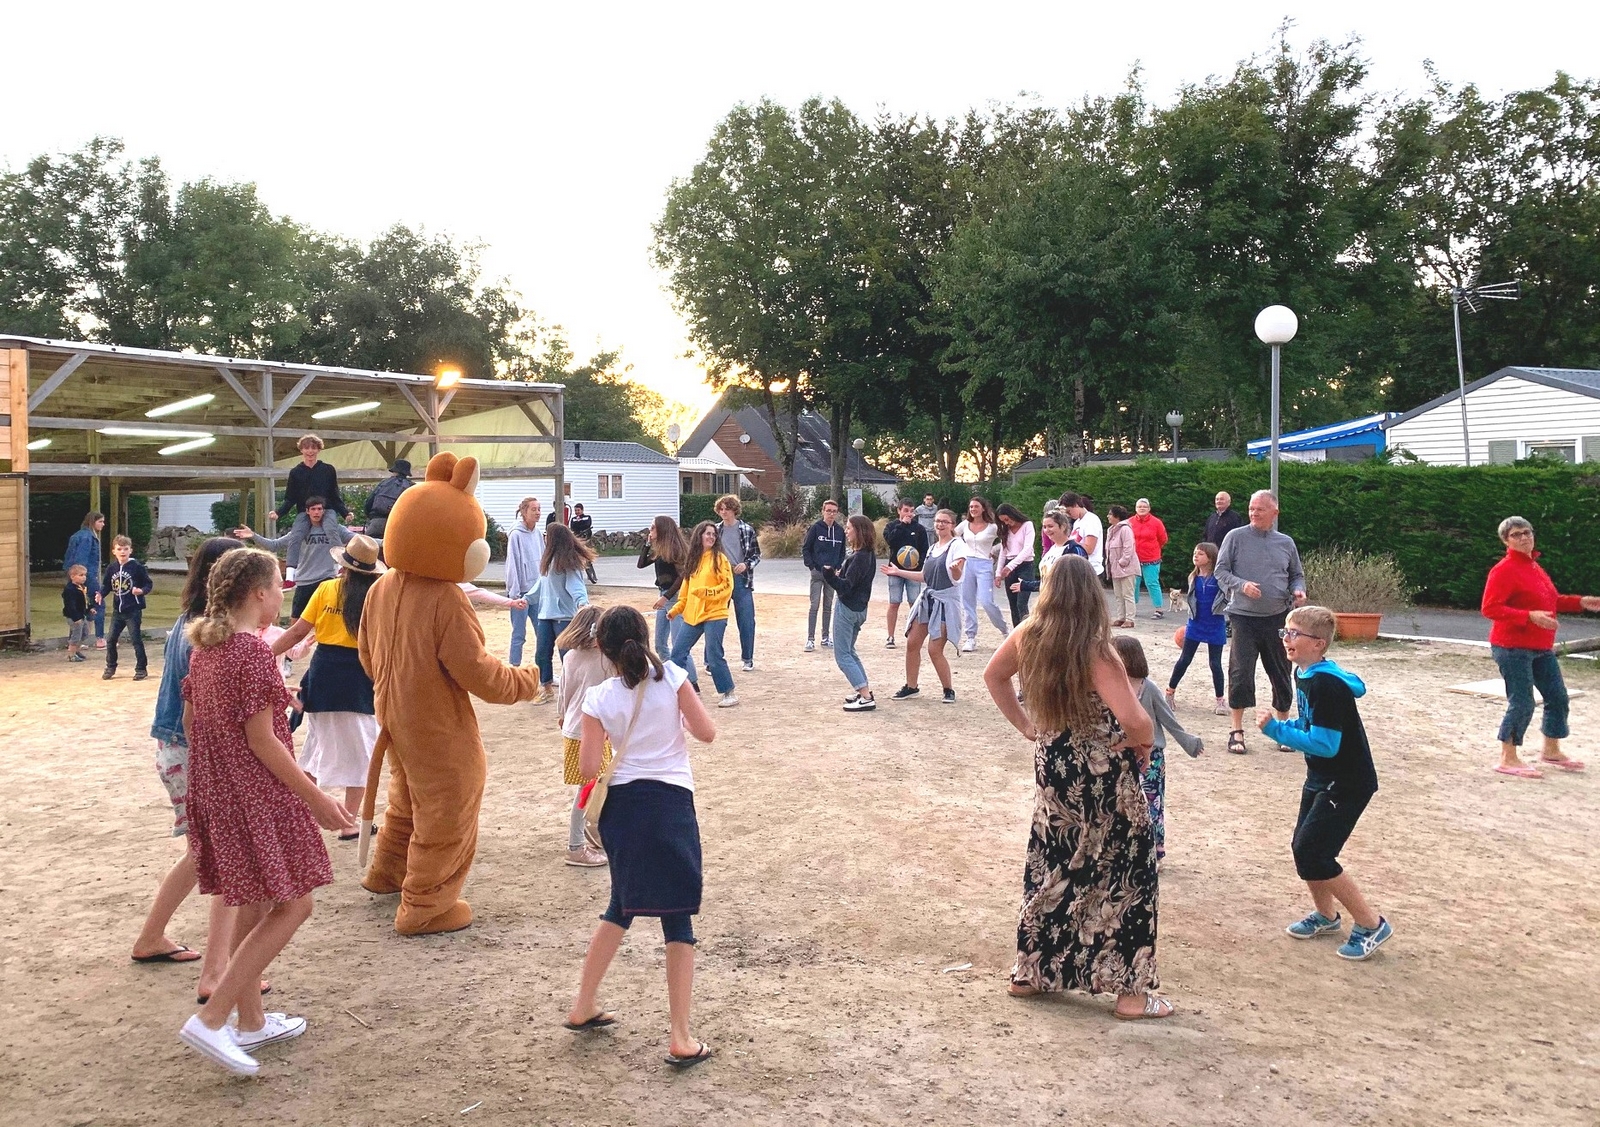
696	507
496	536
141	524
871	503
1438	522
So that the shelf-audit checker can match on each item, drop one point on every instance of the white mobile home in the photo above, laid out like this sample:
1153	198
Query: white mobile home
1513	413
622	485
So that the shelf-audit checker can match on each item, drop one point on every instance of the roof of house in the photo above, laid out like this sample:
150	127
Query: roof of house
1580	381
1314	437
1190	454
813	462
587	450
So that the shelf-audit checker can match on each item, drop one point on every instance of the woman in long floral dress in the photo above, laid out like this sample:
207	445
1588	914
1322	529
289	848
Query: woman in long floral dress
1089	887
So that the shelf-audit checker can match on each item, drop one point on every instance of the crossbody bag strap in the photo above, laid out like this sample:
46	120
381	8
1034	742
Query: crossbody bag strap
627	733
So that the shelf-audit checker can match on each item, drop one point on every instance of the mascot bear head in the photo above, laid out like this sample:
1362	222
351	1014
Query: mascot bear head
436	528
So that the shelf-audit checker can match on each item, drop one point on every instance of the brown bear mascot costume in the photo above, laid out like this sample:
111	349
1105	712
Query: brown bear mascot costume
421	643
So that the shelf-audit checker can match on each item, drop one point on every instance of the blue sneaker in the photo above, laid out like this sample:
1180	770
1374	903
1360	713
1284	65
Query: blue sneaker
1364	941
1313	925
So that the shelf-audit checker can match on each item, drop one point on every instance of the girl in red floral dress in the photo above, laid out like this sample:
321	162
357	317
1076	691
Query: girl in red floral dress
253	814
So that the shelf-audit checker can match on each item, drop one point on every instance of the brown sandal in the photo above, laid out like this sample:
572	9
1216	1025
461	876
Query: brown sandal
1236	742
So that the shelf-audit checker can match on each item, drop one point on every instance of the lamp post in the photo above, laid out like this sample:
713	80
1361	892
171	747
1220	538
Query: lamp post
1469	295
1276	326
1174	420
854	500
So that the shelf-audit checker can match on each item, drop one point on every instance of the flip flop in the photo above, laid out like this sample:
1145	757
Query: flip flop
1563	764
266	988
173	956
1520	771
598	1021
687	1062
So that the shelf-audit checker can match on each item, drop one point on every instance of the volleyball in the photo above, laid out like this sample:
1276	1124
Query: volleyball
1177	637
908	558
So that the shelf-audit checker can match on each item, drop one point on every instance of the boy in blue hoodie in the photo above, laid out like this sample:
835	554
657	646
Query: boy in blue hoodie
1340	781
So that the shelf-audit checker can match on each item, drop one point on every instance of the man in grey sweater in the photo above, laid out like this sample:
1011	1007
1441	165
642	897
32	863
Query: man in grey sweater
314	542
1259	570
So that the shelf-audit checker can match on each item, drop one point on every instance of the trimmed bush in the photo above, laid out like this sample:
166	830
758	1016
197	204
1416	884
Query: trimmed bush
1349	582
1438	522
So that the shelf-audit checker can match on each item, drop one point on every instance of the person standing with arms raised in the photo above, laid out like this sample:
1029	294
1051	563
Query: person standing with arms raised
1259	570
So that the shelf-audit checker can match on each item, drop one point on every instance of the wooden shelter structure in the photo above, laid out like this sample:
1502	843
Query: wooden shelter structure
132	420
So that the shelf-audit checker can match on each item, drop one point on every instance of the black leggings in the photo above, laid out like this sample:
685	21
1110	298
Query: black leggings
1254	637
1019	599
676	927
1190	645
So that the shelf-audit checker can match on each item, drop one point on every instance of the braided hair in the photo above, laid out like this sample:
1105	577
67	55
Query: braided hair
625	642
234	577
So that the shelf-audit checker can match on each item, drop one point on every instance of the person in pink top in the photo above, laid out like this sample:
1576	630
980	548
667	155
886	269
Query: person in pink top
1149	537
1016	559
1521	600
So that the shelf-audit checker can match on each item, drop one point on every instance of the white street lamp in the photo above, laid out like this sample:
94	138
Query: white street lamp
1174	420
1276	326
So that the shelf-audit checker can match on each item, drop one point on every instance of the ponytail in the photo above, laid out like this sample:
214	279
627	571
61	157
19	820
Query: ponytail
625	641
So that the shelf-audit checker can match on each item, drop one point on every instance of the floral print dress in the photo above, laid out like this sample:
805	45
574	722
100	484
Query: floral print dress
1089	887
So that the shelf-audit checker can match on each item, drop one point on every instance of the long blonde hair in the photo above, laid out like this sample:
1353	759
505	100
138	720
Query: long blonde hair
580	632
234	577
1065	633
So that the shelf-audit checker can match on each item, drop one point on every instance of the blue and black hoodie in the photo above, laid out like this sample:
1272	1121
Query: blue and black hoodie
1327	728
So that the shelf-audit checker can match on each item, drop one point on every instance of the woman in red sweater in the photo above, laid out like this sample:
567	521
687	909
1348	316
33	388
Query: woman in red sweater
1149	537
1522	602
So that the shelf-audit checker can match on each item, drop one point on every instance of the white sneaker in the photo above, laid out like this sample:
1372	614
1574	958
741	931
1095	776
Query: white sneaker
749	666
888	643
969	645
728	701
218	1046
827	643
586	856
278	1027
810	645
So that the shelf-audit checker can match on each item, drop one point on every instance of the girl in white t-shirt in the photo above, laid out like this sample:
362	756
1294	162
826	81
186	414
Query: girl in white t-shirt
981	534
648	824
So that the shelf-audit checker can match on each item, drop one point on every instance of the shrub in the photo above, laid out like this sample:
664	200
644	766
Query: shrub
696	507
782	541
1351	582
1438	522
871	503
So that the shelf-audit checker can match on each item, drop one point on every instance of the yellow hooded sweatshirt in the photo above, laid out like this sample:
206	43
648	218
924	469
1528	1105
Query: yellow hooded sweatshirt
705	595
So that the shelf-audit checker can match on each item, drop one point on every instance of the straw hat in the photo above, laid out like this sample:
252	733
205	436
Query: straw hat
360	554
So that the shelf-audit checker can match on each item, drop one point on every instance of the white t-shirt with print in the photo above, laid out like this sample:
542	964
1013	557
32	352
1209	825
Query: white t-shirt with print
656	747
1082	529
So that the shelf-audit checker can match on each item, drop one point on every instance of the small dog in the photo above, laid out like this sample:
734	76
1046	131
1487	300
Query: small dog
1179	598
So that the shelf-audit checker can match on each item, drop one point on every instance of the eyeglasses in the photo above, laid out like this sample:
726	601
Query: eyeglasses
1519	532
943	522
1291	634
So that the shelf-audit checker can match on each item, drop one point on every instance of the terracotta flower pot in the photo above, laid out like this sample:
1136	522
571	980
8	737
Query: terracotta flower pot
1350	627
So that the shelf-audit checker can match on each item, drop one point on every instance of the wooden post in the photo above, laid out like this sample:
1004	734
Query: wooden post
94	479
114	516
15	361
558	416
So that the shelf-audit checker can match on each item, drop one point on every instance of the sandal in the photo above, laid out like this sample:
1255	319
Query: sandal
1563	764
1519	770
1172	698
1236	742
1154	1007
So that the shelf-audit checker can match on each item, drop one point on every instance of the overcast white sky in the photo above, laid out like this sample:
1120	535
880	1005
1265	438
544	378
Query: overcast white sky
551	132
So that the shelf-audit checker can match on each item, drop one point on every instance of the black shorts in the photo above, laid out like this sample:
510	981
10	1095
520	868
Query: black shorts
1328	813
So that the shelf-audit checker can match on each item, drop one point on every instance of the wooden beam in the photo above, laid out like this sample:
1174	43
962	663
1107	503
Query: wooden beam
416	405
533	417
445	402
245	397
288	400
96	471
55	422
57	378
17	424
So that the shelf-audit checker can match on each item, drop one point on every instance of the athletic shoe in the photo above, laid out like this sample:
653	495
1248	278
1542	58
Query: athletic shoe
279	1027
108	674
544	695
728	700
949	696
749	667
852	698
888	643
905	692
1222	707
810	645
1364	941
827	643
586	857
969	645
1314	925
218	1046
861	704
140	674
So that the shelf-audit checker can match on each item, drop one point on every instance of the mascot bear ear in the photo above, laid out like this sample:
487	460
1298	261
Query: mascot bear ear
441	467
465	476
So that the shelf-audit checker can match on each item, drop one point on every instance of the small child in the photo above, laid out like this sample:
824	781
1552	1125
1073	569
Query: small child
253	814
76	603
1204	625
1154	780
1340	781
125	584
583	667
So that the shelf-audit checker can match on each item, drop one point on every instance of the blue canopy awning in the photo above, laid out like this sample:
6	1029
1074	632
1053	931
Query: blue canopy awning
1334	434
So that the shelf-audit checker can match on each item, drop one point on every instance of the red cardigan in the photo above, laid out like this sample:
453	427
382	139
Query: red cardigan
1515	586
1149	536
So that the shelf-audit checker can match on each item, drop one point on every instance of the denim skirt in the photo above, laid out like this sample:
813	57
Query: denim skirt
652	842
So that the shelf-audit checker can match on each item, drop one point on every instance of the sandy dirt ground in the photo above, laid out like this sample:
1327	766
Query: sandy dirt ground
850	860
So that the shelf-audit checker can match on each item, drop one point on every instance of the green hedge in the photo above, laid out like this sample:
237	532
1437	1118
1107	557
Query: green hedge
696	507
1437	521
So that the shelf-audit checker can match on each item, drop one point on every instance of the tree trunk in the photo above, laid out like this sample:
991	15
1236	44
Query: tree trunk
839	439
787	437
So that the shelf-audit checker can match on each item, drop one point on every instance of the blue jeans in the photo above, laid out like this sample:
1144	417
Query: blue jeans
1522	670
744	615
1150	576
133	622
544	633
99	611
847	625
664	634
519	633
683	641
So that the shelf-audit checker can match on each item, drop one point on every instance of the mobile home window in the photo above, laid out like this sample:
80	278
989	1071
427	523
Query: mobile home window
608	487
1559	451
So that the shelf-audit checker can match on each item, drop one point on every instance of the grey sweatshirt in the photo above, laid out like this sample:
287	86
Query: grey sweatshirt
316	562
1156	705
1268	559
